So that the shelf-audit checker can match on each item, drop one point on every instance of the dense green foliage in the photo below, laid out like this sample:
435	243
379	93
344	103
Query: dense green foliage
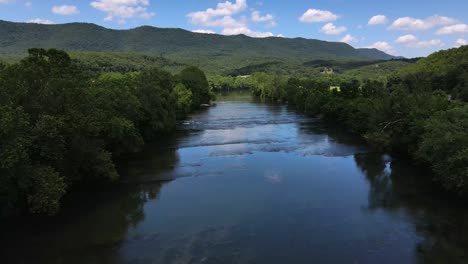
379	71
332	70
99	62
445	70
444	145
195	79
61	126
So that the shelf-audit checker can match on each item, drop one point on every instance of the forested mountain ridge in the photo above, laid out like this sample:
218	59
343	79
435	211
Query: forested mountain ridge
16	38
444	70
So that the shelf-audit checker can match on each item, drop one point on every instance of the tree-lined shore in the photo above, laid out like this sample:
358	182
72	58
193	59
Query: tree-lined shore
63	123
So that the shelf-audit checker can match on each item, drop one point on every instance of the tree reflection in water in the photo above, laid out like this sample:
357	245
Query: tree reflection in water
92	231
441	223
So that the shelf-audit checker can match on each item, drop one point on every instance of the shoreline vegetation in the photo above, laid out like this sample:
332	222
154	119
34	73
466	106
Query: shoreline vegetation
62	125
419	112
64	122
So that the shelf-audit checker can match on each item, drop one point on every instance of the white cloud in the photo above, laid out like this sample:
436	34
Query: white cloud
6	1
272	24
40	21
246	31
222	17
210	17
426	44
410	23
406	39
224	22
256	17
123	9
65	10
377	20
454	29
460	42
204	31
331	29
317	15
383	46
348	39
225	9
412	41
28	4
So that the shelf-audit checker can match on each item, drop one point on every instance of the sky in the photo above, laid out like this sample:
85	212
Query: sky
410	28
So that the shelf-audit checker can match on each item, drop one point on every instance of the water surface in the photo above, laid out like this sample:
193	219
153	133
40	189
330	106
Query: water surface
246	182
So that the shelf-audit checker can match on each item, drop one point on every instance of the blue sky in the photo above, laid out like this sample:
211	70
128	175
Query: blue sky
408	28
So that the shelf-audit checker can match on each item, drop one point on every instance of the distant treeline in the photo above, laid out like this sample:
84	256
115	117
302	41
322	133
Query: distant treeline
63	125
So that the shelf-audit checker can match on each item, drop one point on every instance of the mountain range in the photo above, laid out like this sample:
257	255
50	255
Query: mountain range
16	38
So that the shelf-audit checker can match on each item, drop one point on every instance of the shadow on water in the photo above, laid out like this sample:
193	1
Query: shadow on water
90	229
440	221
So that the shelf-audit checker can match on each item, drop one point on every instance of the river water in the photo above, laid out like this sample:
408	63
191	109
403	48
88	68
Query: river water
248	182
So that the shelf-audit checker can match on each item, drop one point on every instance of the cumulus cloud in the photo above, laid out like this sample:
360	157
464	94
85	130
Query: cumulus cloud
246	31
65	10
122	10
348	39
412	41
454	29
406	39
331	29
222	17
224	22
383	46
40	21
377	20
256	17
225	9
410	23
317	15
426	44
460	42
204	31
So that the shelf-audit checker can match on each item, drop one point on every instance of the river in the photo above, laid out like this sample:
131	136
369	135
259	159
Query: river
248	182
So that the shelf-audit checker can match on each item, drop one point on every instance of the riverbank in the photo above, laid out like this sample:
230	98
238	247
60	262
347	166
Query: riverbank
252	183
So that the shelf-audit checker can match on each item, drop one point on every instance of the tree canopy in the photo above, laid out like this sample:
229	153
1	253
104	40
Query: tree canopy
61	125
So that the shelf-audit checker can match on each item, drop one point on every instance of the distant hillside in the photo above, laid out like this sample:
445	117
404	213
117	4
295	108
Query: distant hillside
444	70
441	63
377	71
16	38
124	62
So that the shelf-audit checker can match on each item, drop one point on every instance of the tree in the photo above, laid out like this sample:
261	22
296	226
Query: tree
62	125
120	109
195	80
184	100
154	89
15	143
350	89
444	145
